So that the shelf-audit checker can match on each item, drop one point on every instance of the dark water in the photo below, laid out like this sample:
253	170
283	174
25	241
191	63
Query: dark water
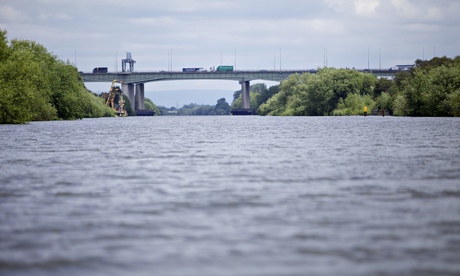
231	196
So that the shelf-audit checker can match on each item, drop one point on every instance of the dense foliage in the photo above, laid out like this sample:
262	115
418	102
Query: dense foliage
259	95
35	85
221	108
149	105
128	106
432	88
321	93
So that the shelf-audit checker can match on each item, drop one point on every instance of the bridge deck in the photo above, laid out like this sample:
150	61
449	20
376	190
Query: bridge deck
144	77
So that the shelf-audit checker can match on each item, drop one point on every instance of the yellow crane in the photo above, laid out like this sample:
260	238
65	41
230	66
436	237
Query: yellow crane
111	100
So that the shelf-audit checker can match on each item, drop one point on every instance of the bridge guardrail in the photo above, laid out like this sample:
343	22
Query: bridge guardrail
239	71
204	72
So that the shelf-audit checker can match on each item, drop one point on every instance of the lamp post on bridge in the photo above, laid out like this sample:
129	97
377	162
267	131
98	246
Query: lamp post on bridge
235	60
368	58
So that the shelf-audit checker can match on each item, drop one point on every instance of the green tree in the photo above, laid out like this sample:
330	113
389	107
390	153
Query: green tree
382	85
149	105
384	101
430	89
401	77
238	103
435	62
204	110
222	107
259	94
399	106
67	92
276	105
317	94
455	103
354	105
4	48
16	88
128	106
94	107
267	94
35	85
196	110
445	81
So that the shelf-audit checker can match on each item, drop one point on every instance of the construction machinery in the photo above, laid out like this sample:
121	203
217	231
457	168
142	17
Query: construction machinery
114	99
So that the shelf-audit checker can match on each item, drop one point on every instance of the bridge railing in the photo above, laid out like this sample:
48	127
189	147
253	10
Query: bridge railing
239	71
205	71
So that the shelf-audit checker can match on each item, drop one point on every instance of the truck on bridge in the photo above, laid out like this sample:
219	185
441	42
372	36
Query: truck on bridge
224	68
100	70
185	70
221	68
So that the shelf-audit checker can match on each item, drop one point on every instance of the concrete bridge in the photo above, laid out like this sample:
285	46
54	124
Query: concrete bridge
134	81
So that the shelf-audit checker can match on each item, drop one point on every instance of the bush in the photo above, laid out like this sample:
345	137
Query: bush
35	85
354	105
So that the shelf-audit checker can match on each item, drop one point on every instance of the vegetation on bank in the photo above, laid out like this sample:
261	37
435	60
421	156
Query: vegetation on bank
432	88
259	95
36	86
221	108
149	105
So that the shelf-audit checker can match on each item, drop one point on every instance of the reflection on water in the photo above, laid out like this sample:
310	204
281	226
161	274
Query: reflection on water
231	196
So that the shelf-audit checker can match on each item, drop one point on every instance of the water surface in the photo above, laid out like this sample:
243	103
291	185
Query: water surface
231	196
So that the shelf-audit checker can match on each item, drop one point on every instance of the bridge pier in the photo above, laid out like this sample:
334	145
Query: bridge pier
245	100
245	97
139	105
128	90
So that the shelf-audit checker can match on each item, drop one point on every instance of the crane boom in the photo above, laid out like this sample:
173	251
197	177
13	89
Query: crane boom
110	102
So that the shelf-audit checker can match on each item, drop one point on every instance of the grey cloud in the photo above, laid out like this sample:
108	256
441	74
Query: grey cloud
199	32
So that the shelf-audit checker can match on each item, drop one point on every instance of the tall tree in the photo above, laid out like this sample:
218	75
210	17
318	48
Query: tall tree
222	107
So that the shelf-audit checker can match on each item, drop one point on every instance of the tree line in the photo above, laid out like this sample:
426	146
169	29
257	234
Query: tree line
192	109
431	88
36	86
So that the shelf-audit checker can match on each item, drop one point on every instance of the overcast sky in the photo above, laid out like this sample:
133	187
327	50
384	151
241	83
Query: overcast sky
251	34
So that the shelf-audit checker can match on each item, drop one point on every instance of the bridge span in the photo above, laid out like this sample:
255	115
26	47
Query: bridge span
134	81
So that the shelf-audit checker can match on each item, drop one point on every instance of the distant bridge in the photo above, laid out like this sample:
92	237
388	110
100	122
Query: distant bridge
138	79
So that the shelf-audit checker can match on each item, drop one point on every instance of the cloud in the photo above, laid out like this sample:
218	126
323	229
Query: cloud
406	8
60	16
434	11
365	7
339	6
11	14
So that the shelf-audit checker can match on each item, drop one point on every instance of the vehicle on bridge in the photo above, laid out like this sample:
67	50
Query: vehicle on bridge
100	70
224	68
402	67
192	69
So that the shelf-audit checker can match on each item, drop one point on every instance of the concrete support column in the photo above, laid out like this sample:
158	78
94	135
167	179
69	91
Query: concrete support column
245	98
128	90
139	96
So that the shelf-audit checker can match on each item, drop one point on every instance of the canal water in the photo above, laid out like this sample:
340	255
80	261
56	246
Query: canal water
231	196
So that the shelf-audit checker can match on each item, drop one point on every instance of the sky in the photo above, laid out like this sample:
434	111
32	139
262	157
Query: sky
248	34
